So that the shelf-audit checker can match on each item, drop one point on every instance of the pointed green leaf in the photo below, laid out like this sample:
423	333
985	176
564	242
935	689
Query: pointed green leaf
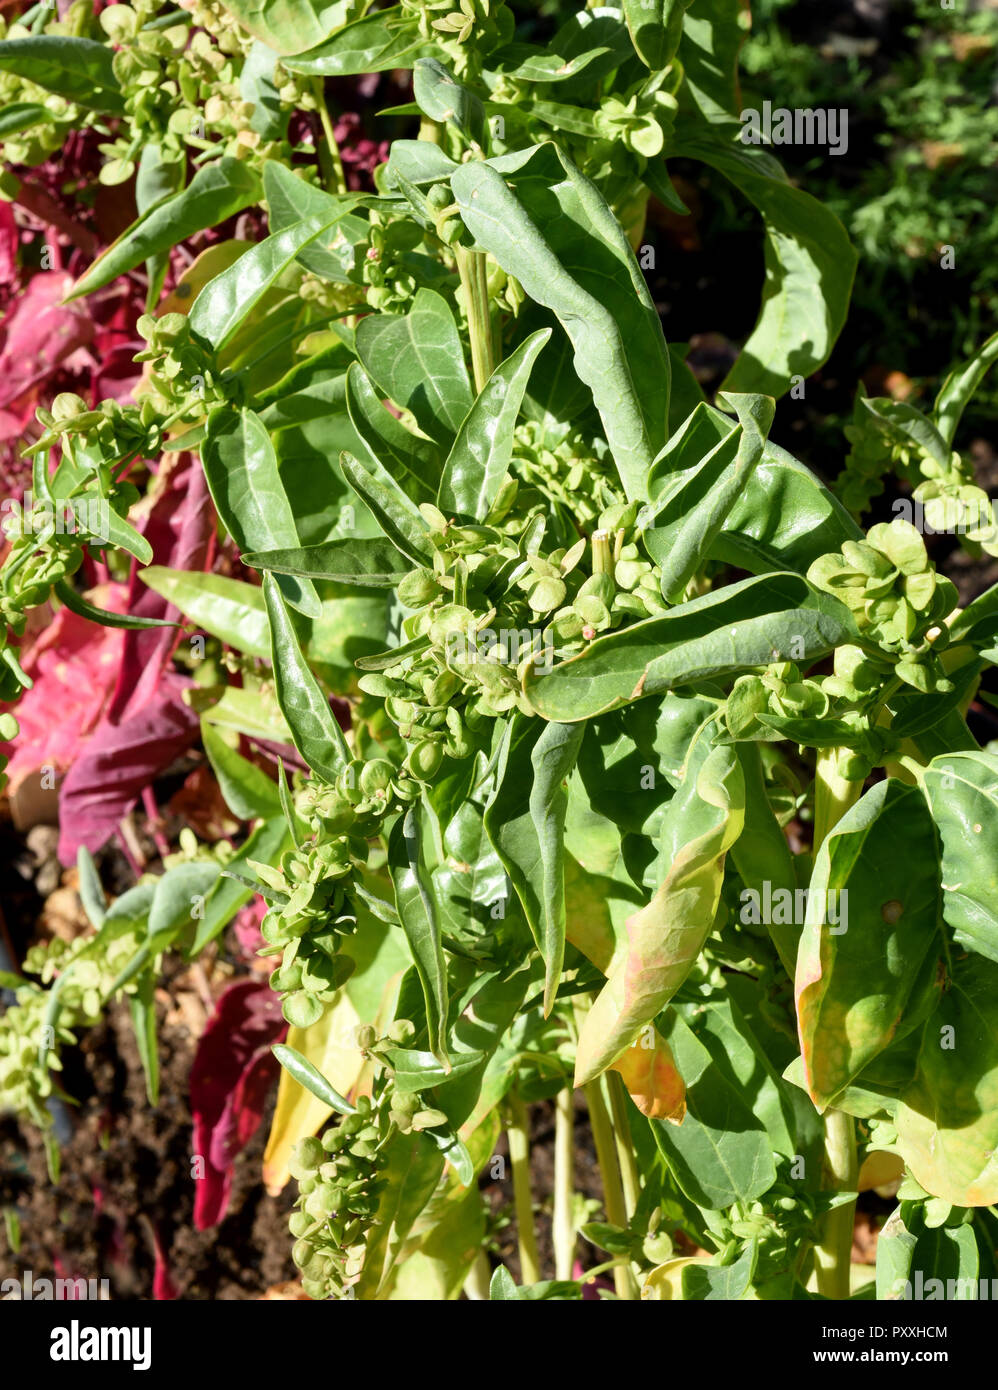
246	486
550	227
317	735
480	456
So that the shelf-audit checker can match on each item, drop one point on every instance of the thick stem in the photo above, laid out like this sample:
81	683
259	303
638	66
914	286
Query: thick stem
562	1220
476	1286
833	794
832	1257
474	282
613	1192
518	1134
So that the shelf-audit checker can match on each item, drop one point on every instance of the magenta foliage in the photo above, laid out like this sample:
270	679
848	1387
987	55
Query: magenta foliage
232	1074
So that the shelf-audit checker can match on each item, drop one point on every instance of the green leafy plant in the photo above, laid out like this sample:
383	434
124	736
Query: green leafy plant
602	643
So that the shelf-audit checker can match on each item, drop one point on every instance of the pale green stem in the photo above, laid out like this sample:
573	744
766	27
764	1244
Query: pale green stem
832	1257
562	1217
834	795
517	1132
476	1286
474	282
613	1192
329	153
625	1152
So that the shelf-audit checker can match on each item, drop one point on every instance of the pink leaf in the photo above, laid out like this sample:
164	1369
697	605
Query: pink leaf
74	665
232	1074
118	762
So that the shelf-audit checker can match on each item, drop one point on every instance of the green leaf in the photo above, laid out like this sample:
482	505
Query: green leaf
398	517
317	735
442	98
215	193
947	1119
810	265
289	26
291	200
721	1283
720	1153
229	609
549	227
375	564
227	300
663	940
906	425
870	931
751	623
420	1071
713	31
110	529
377	43
90	890
79	605
142	1007
246	789
694	507
21	115
311	1078
265	844
417	361
246	486
655	27
480	456
257	86
909	1258
784	520
420	922
959	387
177	901
962	792
412	461
525	820
78	69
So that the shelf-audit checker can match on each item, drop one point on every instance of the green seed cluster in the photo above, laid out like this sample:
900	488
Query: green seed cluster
184	382
30	1032
465	30
338	1185
896	598
339	1175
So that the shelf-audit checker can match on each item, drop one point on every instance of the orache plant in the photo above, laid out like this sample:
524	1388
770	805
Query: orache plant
598	644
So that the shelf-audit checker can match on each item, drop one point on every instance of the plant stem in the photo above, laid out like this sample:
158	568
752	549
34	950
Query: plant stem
517	1132
474	282
833	797
476	1286
613	1192
832	1263
329	153
625	1151
562	1220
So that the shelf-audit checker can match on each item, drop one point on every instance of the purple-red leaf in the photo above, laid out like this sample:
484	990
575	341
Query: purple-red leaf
233	1071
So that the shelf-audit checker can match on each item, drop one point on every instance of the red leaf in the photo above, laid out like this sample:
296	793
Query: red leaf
119	761
232	1074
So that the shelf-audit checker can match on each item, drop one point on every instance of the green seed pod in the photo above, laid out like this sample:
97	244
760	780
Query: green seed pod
424	760
402	1031
308	1152
366	1036
428	1119
376	776
418	588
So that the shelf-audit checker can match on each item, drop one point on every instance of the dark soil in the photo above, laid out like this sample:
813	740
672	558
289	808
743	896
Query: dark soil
126	1172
